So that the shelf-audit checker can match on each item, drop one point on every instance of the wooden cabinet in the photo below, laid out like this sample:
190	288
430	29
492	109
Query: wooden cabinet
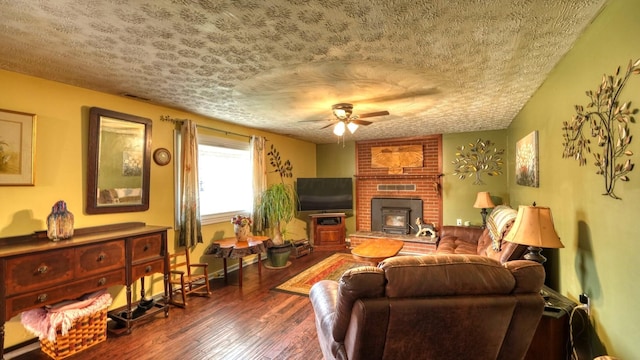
37	272
328	231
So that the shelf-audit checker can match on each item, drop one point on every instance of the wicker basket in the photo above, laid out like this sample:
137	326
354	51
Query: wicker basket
86	332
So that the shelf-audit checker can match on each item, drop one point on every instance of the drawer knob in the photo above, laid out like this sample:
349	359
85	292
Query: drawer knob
101	257
42	298
146	247
43	269
148	269
102	281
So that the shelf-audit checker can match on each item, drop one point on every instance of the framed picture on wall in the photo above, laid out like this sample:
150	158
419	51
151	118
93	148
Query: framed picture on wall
527	172
17	147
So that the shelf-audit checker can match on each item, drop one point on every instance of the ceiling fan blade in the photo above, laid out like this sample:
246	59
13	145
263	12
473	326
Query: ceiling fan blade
377	113
314	120
326	126
361	122
402	96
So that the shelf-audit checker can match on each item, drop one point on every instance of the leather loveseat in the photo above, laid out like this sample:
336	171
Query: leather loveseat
487	241
430	307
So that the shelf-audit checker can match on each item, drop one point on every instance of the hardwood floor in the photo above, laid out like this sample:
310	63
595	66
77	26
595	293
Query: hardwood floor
251	322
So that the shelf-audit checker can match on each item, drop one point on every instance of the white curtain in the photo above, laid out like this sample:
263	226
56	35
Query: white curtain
190	226
259	160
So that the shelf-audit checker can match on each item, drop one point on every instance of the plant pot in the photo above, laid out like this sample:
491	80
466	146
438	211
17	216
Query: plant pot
278	256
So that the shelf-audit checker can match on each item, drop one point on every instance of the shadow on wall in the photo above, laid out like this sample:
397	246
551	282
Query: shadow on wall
588	276
23	219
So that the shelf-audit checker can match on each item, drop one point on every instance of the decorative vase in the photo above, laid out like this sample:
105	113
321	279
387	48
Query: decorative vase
242	232
59	222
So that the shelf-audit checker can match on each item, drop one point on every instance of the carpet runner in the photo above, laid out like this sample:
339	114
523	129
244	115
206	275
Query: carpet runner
330	268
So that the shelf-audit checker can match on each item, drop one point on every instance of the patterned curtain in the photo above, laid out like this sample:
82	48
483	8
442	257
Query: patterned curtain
259	160
190	226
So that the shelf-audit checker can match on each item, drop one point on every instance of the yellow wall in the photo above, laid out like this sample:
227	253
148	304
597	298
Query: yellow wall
339	160
60	168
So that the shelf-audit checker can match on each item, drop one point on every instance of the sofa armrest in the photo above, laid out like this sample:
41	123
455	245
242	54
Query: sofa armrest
333	301
323	296
529	275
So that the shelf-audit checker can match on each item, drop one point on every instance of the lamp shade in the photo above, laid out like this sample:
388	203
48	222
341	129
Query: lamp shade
534	227
483	201
339	128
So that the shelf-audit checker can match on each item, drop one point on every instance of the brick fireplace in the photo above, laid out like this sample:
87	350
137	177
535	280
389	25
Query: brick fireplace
415	182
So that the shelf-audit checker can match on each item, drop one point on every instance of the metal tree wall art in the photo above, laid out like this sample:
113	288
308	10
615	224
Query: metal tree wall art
608	120
476	159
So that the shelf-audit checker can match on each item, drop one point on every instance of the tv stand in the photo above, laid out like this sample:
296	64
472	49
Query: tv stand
328	231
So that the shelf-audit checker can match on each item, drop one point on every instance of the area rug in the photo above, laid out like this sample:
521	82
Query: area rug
330	268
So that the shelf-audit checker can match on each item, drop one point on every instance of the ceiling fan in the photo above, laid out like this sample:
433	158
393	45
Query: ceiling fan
346	120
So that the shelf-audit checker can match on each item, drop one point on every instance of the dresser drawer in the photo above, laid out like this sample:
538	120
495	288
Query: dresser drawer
20	303
96	259
146	247
38	270
147	269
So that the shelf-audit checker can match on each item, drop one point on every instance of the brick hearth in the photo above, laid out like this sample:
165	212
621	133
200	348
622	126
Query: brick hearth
412	244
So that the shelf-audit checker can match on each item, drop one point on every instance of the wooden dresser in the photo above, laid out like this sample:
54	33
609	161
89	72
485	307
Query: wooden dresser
36	271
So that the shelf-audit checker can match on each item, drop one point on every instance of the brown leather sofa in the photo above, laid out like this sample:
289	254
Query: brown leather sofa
479	241
430	307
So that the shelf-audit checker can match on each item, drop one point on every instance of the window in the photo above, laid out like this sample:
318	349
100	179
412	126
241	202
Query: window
225	177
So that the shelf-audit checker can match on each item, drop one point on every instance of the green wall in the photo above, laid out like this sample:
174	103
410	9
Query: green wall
459	195
601	242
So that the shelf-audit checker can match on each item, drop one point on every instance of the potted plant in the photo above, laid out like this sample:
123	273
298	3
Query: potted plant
277	206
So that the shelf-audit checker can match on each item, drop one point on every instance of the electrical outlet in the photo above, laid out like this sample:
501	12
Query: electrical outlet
584	299
459	222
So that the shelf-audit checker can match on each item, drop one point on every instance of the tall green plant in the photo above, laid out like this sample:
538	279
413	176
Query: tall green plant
277	204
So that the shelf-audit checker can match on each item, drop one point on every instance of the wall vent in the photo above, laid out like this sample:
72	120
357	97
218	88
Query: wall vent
396	187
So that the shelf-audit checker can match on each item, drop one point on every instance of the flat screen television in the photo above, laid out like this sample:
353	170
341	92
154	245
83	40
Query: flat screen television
325	194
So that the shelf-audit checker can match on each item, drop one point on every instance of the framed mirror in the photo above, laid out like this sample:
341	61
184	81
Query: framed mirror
118	162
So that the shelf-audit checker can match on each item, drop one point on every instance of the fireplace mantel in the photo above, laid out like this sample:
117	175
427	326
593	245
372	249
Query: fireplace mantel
399	176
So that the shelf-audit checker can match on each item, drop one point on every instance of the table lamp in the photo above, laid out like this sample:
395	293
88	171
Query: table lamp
483	201
534	227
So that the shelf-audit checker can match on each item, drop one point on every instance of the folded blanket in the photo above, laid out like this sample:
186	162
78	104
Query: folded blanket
499	223
43	322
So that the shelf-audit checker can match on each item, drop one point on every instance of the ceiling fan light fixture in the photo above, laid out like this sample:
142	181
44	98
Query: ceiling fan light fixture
342	111
339	129
352	127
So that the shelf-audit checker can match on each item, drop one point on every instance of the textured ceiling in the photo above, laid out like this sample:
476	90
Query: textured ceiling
438	66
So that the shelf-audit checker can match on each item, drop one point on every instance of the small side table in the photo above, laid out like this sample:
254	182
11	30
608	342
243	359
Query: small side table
552	334
231	248
376	250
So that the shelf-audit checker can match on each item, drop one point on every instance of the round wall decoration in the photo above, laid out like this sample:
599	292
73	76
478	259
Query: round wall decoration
161	156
